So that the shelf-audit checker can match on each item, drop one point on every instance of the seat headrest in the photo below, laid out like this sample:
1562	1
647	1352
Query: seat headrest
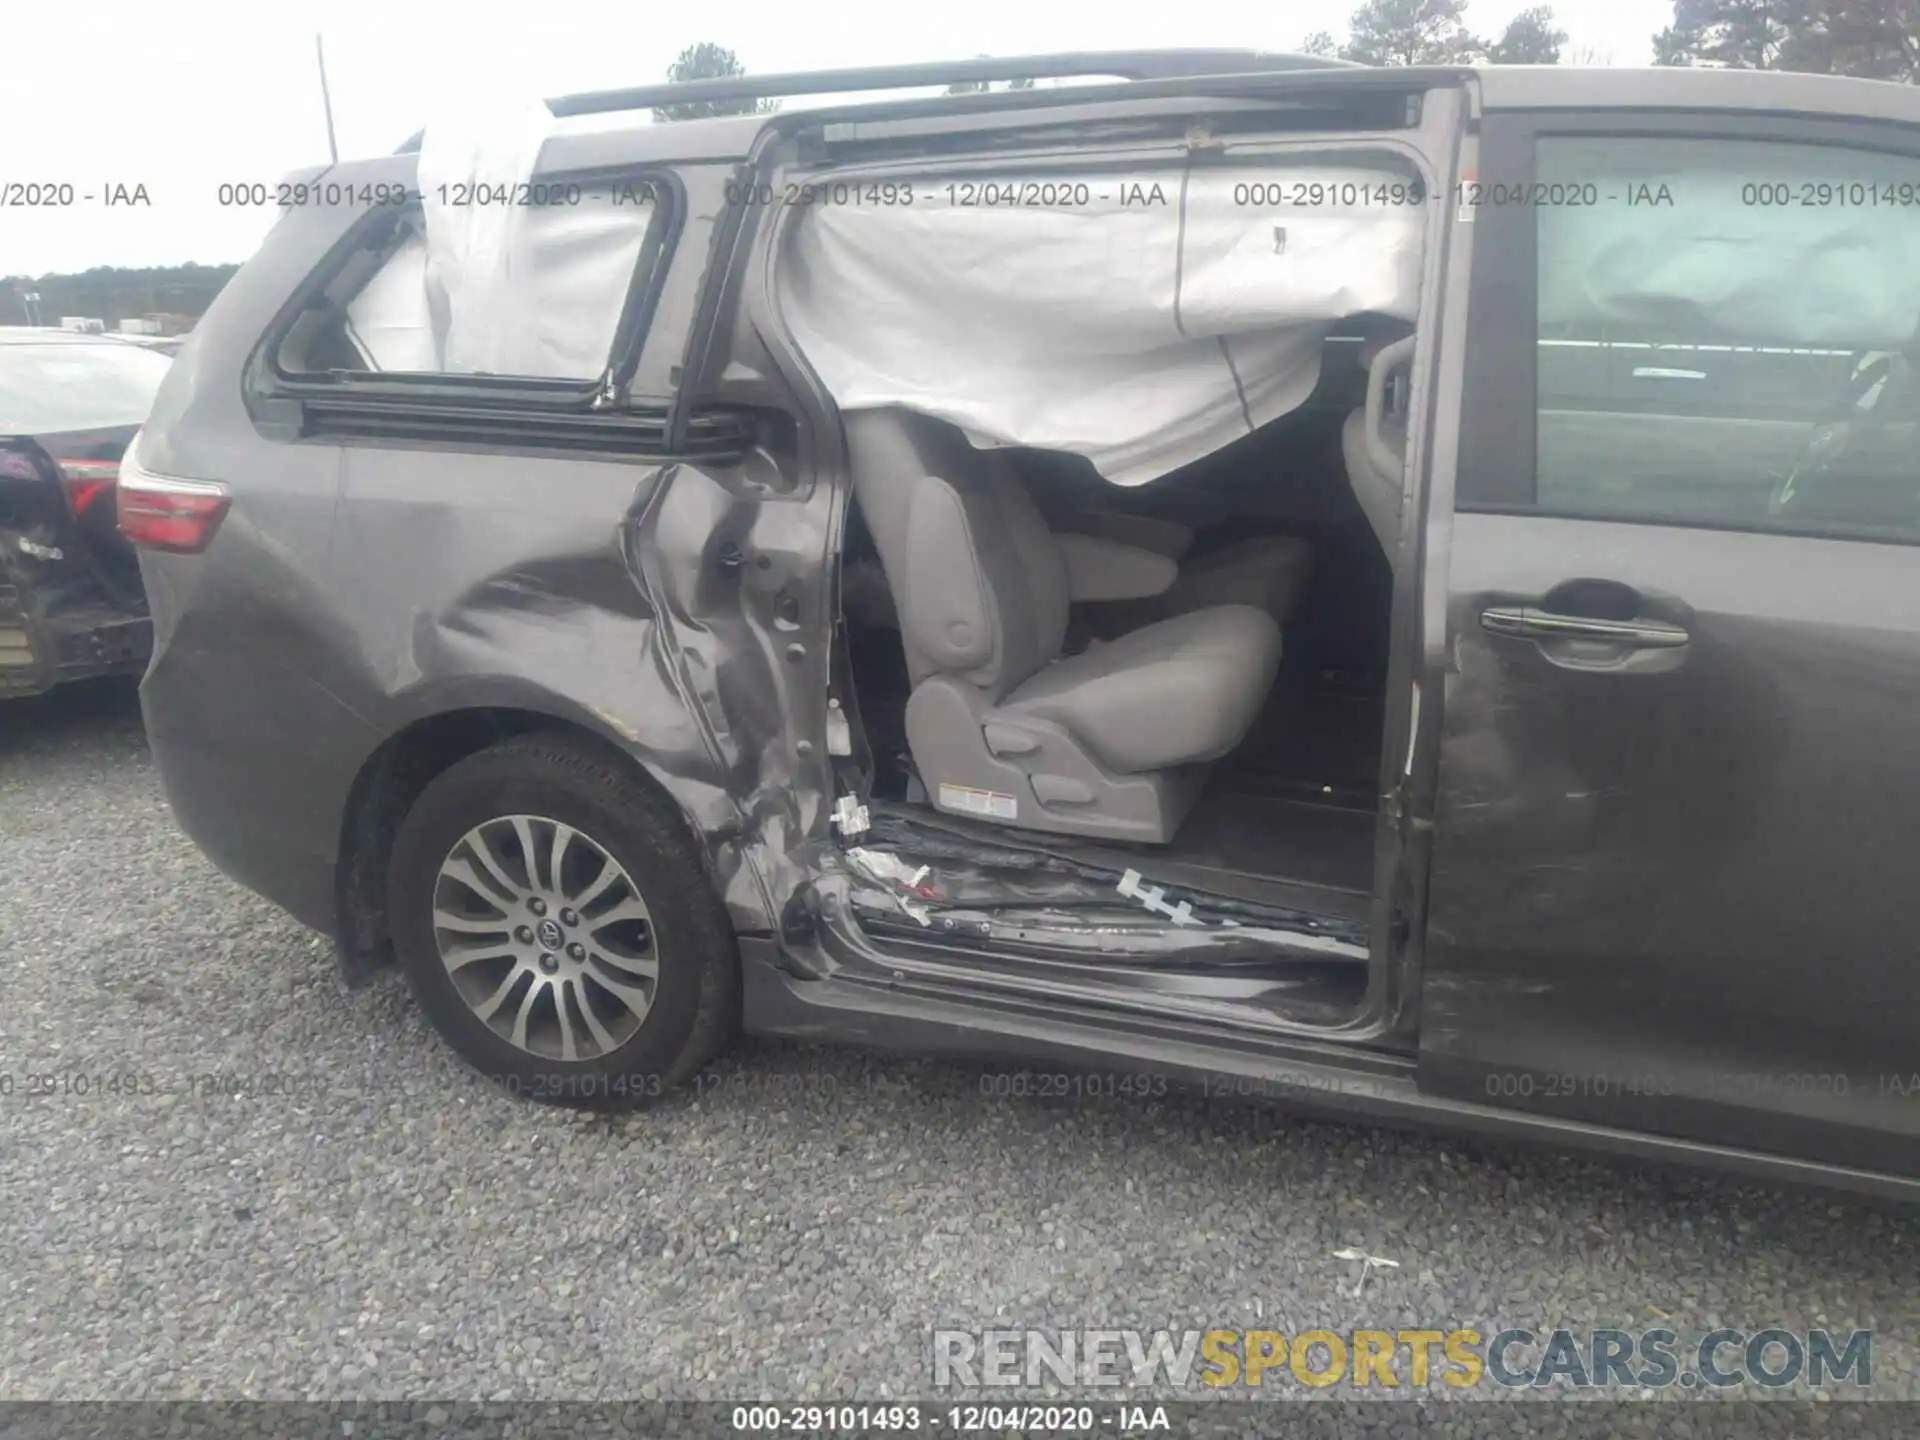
898	439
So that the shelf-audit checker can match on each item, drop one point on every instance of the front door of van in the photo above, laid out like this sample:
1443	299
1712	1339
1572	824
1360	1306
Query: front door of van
1675	880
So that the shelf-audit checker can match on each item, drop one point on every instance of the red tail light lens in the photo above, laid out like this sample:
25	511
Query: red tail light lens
87	481
161	513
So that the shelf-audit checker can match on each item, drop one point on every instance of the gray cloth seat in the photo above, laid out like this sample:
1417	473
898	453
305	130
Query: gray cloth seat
1169	693
1111	742
1268	572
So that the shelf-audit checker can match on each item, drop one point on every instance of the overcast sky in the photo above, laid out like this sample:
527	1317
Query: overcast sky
183	95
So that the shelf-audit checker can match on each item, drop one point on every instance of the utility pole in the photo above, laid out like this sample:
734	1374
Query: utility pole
326	100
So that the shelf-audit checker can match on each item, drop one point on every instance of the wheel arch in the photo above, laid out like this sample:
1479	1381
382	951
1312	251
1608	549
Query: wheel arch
393	775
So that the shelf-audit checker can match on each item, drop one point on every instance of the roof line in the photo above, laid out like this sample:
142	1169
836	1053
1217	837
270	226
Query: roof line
1123	64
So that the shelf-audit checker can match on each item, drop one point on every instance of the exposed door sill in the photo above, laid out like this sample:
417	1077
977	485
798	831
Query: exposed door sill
1310	997
1257	849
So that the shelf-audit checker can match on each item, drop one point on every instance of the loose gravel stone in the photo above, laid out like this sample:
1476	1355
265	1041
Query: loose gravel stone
295	1192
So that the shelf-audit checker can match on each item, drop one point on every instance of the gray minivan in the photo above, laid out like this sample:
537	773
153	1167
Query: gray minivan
1390	589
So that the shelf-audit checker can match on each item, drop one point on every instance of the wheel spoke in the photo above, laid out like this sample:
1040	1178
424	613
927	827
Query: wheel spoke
484	852
557	856
568	1050
529	853
527	1002
469	925
459	959
605	1041
625	910
633	998
645	966
492	1003
500	895
602	882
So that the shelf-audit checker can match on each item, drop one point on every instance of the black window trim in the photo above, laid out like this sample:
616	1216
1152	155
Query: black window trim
1499	416
345	405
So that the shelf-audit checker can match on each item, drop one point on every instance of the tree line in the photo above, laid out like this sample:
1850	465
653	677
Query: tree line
113	293
1877	39
1434	32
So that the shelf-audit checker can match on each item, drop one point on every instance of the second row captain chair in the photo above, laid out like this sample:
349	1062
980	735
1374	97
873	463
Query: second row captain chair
1269	572
1111	743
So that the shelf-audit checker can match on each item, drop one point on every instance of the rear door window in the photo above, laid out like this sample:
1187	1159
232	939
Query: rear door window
1729	334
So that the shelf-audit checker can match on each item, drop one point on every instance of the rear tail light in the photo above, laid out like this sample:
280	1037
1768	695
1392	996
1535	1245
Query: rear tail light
161	513
87	481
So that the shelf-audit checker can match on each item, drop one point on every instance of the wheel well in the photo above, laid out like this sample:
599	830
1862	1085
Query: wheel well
388	784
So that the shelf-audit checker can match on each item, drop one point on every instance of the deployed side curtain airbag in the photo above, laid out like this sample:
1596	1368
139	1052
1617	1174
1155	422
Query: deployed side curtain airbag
1161	319
504	276
390	321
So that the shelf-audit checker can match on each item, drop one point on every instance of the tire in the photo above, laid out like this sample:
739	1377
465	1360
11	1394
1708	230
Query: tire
484	809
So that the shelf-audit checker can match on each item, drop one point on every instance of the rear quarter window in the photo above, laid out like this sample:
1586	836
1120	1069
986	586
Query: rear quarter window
533	291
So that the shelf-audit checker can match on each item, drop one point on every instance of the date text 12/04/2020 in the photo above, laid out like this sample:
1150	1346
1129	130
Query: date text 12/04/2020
1129	1419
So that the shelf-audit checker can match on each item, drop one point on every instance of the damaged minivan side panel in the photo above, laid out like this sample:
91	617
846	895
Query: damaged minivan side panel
417	599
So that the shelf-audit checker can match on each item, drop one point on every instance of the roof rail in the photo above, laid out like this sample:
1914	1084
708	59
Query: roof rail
1123	64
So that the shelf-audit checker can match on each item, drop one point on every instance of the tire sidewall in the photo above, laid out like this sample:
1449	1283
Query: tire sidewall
623	821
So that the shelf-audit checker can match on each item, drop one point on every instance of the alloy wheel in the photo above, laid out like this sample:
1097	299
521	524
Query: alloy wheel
546	937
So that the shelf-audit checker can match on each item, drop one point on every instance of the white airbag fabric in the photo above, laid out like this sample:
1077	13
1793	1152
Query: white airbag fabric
1142	336
390	320
1733	241
496	286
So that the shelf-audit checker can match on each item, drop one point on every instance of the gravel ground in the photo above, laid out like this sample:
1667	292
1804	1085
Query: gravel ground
793	1226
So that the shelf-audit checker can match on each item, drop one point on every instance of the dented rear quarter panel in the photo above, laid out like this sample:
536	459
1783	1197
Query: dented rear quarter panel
355	589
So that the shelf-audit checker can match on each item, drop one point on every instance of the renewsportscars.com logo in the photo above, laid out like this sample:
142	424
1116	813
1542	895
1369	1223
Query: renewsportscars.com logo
1410	1360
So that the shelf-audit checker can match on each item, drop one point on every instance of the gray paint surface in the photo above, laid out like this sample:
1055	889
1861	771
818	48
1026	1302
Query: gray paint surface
678	609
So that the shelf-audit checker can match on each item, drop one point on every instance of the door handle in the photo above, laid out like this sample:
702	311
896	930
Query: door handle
1533	624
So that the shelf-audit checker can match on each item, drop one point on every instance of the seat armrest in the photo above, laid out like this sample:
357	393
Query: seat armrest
1100	569
1162	537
